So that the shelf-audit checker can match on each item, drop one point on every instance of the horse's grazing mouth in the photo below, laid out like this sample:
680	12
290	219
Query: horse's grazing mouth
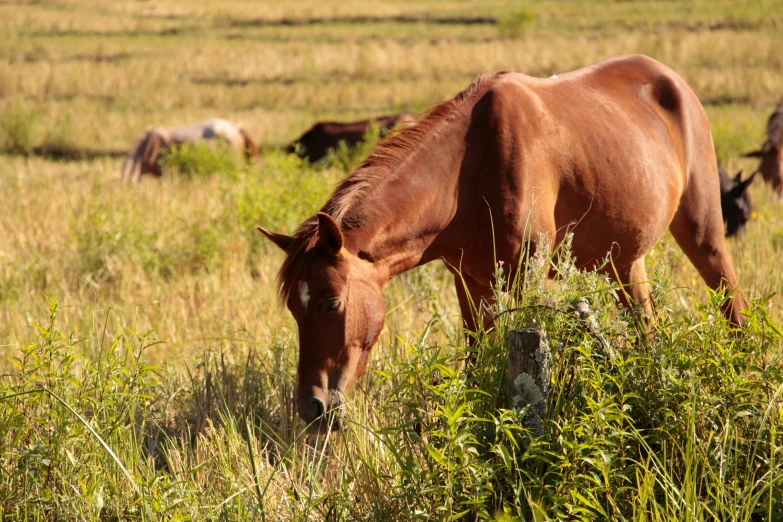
593	147
329	422
322	417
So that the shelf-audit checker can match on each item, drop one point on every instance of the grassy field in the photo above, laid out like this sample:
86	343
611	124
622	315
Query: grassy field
148	368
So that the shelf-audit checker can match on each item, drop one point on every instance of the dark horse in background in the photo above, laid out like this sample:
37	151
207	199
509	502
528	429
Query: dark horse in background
323	136
615	153
771	153
735	202
144	157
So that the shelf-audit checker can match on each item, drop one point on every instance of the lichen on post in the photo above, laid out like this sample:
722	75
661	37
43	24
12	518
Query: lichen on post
529	375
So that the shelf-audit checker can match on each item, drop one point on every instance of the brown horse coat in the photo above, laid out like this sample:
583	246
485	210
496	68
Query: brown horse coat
323	136
144	157
615	153
771	153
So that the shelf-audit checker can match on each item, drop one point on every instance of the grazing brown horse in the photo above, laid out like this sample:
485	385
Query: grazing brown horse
144	157
316	142
735	202
771	153
615	153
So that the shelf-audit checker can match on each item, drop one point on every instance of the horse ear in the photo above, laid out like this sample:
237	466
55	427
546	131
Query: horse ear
745	184
330	237
284	242
738	177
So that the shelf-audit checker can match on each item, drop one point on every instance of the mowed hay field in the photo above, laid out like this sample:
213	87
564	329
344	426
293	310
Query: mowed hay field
149	369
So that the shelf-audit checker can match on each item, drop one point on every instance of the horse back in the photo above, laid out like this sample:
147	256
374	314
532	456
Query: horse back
617	140
630	114
652	93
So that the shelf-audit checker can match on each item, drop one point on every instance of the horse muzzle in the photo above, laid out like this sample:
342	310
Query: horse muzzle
322	412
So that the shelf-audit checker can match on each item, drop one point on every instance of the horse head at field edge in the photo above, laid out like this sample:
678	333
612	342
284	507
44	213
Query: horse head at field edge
735	202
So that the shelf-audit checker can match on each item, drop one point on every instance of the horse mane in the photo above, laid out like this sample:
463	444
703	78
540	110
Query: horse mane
345	204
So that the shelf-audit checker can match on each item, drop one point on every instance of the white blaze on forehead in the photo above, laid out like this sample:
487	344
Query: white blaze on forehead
304	293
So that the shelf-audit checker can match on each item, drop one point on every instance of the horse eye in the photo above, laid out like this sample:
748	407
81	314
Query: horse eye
332	305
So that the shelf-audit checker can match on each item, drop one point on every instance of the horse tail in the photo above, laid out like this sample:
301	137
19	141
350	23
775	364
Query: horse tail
251	149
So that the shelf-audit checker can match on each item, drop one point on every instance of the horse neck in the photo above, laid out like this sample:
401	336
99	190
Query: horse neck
404	216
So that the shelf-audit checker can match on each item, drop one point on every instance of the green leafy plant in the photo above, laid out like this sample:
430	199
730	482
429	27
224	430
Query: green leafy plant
348	158
201	159
19	128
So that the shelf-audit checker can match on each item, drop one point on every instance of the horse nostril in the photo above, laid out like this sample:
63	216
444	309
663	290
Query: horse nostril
317	408
336	402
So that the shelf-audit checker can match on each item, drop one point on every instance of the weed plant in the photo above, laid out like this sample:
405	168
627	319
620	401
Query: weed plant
681	422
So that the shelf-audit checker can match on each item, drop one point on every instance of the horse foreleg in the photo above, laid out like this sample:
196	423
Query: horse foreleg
474	301
635	288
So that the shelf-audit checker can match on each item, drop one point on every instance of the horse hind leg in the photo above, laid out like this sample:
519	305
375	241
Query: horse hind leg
698	229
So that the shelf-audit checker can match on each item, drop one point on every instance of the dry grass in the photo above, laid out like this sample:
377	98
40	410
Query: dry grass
181	257
276	80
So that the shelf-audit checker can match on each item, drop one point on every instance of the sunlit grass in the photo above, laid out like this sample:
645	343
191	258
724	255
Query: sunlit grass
170	343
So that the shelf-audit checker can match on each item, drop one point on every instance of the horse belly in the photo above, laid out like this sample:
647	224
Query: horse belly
625	242
624	217
620	186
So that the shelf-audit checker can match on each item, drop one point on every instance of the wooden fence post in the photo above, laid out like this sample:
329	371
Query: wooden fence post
528	375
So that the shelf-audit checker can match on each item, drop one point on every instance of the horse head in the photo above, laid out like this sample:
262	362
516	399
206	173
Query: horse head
735	201
335	297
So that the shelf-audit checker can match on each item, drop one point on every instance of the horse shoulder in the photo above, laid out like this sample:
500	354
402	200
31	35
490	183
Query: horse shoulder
509	100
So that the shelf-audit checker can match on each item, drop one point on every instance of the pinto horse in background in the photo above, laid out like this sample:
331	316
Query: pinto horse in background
144	157
771	153
615	153
323	136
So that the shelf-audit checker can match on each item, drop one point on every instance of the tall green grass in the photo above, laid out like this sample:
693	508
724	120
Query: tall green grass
681	423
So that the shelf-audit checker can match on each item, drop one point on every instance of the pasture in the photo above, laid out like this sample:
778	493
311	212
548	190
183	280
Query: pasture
149	368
